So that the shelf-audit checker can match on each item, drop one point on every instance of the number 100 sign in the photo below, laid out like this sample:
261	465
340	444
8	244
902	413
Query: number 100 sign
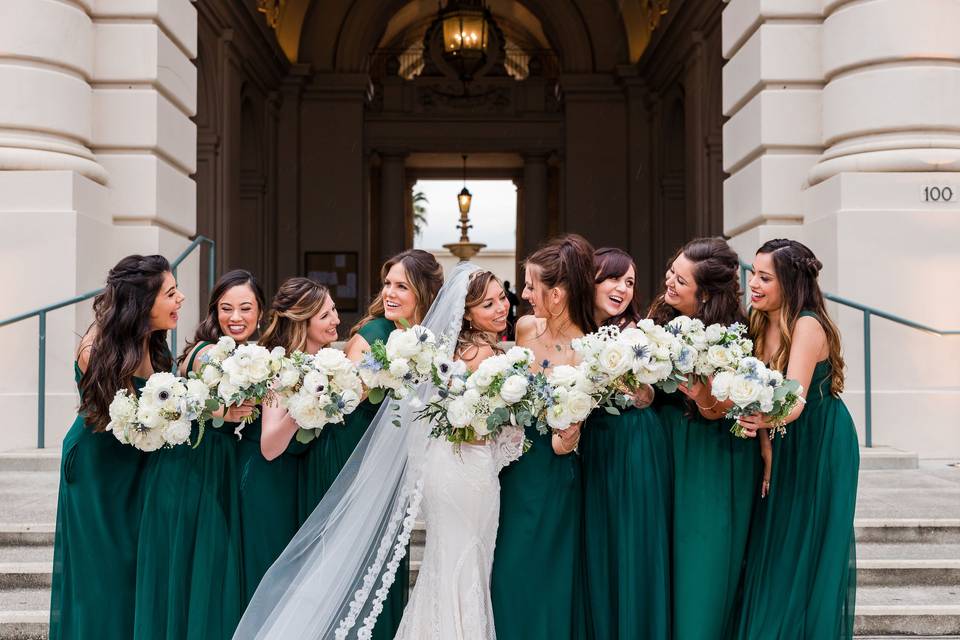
938	193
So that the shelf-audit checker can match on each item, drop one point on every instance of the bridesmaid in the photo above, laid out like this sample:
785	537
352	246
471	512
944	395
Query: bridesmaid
627	486
302	318
800	581
100	499
535	585
189	567
411	281
715	475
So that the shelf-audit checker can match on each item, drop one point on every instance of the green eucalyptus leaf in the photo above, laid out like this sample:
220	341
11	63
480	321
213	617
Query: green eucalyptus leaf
376	395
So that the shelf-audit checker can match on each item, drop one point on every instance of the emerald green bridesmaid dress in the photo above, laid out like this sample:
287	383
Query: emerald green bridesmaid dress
536	582
800	576
627	500
189	567
95	548
321	464
716	482
268	503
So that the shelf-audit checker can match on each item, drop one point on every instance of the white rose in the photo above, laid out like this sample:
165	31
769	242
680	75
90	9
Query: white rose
177	432
479	424
248	365
289	376
696	325
719	357
147	439
481	378
399	367
715	332
558	418
197	391
720	387
405	343
123	409
516	355
634	337
766	398
460	413
307	411
564	375
226	390
579	405
210	375
747	346
744	391
615	359
682	323
644	325
150	417
514	389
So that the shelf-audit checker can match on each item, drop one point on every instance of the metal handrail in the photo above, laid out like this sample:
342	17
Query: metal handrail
42	312
868	313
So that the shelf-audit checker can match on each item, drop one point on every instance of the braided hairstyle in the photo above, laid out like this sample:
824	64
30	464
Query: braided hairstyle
209	329
297	300
122	321
796	269
717	275
567	262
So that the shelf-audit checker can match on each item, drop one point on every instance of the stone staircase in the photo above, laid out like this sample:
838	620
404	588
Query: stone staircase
908	545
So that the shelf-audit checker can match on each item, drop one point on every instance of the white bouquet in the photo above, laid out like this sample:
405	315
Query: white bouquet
618	362
498	396
161	415
754	388
398	366
329	390
241	373
568	395
703	351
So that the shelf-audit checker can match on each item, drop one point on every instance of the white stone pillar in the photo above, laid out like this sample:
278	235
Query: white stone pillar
841	113
96	152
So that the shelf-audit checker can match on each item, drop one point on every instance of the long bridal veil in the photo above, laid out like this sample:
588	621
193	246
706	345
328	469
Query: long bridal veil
331	580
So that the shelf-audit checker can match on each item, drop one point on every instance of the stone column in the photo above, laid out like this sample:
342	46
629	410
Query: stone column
97	148
288	251
392	221
533	228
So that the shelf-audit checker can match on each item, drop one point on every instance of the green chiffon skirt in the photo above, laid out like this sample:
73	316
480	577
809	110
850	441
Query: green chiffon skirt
627	498
269	515
319	467
716	482
95	547
189	569
800	576
536	582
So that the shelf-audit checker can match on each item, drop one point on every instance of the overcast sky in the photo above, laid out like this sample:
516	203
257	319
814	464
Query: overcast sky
493	213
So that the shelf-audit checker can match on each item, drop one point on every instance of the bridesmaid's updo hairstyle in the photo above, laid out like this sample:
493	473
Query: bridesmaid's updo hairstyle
297	300
717	274
209	329
122	321
567	262
610	262
796	268
471	338
425	276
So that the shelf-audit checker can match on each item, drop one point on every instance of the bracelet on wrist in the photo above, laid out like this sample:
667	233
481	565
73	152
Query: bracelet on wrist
710	408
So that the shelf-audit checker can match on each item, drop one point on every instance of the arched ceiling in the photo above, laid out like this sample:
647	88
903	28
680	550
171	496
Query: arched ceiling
588	35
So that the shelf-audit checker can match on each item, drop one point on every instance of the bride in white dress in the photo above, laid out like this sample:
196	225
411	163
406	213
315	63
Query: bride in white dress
331	580
461	501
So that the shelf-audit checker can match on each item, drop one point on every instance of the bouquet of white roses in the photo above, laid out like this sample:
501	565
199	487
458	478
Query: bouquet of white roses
241	373
481	405
398	366
566	397
704	350
160	416
754	388
618	362
329	390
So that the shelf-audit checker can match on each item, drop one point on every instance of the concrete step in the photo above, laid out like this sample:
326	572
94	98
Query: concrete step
919	530
24	625
31	460
908	572
28	553
887	458
29	534
25	575
911	611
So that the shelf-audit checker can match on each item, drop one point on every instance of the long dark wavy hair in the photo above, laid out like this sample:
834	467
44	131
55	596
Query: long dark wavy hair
717	275
425	276
297	300
209	329
611	262
796	269
567	262
122	322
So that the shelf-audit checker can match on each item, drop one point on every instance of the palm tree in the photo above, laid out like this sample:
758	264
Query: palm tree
420	203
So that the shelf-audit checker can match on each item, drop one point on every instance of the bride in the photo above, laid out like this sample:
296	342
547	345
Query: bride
332	579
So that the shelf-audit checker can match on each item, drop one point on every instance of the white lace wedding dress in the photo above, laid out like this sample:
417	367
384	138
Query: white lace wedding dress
461	507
